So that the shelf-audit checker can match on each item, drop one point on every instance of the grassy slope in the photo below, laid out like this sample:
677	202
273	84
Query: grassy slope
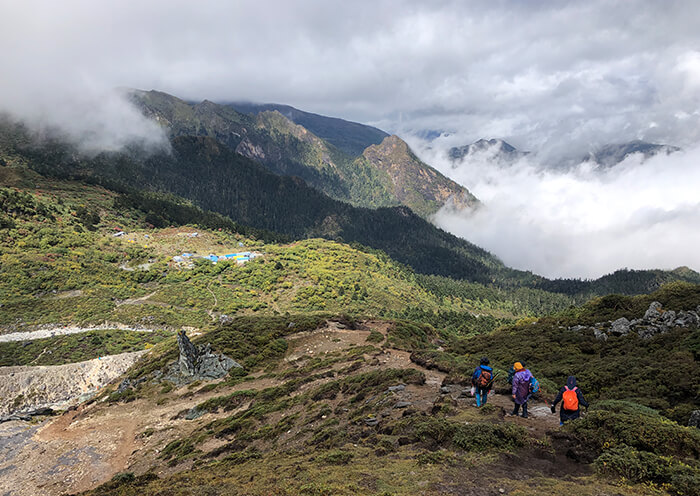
61	264
307	434
350	137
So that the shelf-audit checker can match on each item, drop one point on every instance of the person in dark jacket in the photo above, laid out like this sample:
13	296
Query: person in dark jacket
521	388
572	400
482	380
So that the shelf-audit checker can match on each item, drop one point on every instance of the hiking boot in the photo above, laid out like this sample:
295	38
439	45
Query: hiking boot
524	415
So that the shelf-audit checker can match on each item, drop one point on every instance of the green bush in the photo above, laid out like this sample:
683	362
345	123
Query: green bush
642	467
336	457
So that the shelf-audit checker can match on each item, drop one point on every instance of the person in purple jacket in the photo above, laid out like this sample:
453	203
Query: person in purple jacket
521	388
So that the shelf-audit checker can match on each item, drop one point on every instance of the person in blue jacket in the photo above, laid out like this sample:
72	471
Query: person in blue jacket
482	380
572	400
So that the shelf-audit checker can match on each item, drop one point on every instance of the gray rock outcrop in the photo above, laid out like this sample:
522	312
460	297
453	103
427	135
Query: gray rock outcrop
653	312
198	362
655	321
694	419
620	327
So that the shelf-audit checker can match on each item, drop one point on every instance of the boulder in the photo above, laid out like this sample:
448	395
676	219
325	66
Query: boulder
686	319
647	332
621	327
600	335
694	419
653	312
668	318
198	362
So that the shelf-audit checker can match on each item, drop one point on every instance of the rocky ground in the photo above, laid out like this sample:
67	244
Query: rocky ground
60	386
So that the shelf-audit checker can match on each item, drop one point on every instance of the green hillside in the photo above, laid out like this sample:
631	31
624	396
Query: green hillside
287	148
62	263
350	137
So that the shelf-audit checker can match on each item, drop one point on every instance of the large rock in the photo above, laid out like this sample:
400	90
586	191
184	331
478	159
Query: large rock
198	362
686	319
649	331
621	327
653	312
694	419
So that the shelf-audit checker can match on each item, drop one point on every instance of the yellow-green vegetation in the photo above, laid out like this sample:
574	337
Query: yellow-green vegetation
77	347
61	263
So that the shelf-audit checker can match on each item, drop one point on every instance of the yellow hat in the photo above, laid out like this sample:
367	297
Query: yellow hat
518	366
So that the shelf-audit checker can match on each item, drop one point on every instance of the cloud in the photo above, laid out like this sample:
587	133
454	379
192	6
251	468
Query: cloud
583	222
554	76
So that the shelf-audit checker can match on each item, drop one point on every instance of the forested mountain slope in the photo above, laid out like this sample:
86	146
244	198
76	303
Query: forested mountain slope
287	148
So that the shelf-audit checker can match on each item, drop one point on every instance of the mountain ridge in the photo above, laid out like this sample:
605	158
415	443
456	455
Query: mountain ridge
287	148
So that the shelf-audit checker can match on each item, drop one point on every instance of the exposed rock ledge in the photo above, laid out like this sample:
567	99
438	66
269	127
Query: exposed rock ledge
24	389
656	320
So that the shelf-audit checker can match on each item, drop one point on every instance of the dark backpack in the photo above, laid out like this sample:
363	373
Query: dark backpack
484	379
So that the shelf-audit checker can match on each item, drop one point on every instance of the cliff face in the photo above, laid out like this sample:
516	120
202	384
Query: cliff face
415	183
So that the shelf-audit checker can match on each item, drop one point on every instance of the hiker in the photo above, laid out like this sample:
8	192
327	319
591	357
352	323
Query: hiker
571	399
482	380
521	388
511	373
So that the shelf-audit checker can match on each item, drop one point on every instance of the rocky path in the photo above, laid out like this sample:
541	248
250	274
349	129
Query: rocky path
50	332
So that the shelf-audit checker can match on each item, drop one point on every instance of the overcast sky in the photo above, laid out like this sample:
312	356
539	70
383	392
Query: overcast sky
544	75
558	77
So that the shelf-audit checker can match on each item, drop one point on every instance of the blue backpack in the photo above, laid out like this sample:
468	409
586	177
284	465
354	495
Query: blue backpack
534	385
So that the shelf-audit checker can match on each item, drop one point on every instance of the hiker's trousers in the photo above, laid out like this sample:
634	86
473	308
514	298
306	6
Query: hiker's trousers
481	396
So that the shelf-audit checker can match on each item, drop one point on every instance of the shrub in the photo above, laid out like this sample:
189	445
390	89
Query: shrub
336	457
642	466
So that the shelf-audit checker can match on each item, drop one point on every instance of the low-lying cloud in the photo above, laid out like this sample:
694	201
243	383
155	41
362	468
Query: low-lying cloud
560	77
94	121
584	222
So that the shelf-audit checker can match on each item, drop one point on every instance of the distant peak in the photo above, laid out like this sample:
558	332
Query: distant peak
499	148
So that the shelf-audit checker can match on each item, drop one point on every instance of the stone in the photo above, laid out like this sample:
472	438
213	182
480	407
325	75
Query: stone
403	404
198	362
577	328
653	312
694	420
649	331
396	389
668	317
444	390
621	327
188	354
600	335
371	421
686	319
194	413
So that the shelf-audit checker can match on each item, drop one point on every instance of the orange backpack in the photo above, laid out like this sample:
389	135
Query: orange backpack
570	399
484	379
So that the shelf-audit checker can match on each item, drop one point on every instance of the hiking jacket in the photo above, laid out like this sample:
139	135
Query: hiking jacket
521	386
570	383
477	373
